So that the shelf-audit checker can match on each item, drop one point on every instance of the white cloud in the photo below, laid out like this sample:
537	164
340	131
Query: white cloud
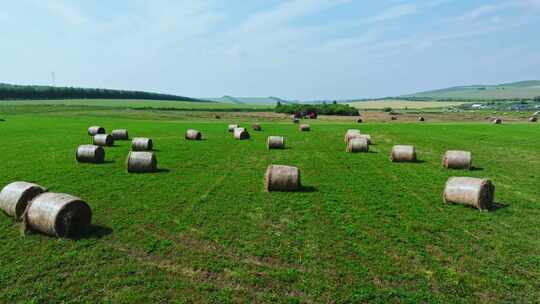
394	12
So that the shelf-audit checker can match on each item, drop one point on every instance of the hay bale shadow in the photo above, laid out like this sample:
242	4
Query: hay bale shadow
95	232
308	189
498	205
161	170
476	169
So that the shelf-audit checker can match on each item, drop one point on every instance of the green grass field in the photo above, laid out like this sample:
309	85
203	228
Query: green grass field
204	230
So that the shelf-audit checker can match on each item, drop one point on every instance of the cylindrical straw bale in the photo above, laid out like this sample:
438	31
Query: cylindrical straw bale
256	127
282	178
359	120
90	154
457	160
421	118
366	136
304	128
193	135
59	214
94	130
393	117
497	121
350	134
241	133
358	144
275	142
296	120
141	162
403	154
233	126
15	197
533	119
469	191
103	140
120	134
142	144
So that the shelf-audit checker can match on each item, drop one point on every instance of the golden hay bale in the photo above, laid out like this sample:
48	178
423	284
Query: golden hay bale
275	142
533	119
497	121
241	133
90	154
15	197
421	118
350	134
141	162
232	127
193	135
120	134
401	153
256	127
282	178
58	214
304	128
469	191
94	130
457	160
142	144
103	140
358	144
393	117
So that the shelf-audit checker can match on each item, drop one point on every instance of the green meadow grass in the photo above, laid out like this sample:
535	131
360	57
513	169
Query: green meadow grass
204	230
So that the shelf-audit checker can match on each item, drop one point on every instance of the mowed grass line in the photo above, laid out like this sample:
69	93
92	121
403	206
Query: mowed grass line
204	230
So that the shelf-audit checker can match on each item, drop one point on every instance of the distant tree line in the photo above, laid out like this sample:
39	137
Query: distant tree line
319	109
13	92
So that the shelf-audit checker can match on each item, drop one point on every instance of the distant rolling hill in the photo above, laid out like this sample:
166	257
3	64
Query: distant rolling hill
249	100
517	90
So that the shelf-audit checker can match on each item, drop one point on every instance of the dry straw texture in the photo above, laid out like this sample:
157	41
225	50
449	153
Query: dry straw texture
90	154
402	154
142	144
256	127
15	197
304	127
469	191
94	130
103	140
282	178
351	133
358	144
241	133
457	160
59	214
120	134
141	162
233	126
275	142
193	135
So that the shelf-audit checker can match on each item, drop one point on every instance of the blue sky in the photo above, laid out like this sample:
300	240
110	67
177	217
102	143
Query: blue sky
298	49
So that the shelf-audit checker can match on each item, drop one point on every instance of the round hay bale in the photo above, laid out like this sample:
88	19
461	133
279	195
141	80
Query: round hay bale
90	154
533	119
393	117
402	154
275	142
103	140
141	162
142	144
193	135
120	134
296	120
94	130
15	197
256	127
351	133
232	127
457	160
241	133
358	144
304	128
469	191
497	121
421	118
359	120
58	214
217	116
366	136
282	178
